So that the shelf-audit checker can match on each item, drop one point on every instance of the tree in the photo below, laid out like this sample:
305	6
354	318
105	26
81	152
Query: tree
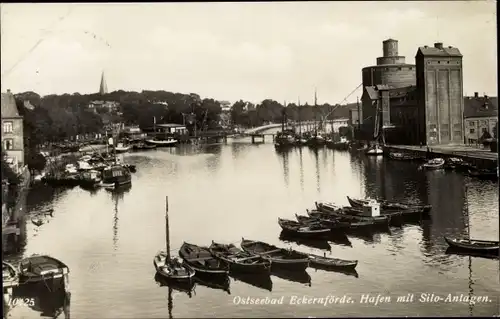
7	172
36	162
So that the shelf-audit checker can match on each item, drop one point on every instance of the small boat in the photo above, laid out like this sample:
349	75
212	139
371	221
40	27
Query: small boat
326	219
116	175
284	139
279	257
344	213
333	263
434	164
201	260
121	148
173	268
303	230
143	146
484	246
159	143
387	205
375	151
90	179
403	156
484	174
40	267
239	260
9	274
186	286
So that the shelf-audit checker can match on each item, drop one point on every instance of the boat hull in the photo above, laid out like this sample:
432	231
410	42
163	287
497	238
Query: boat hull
280	258
490	247
159	143
191	255
172	276
331	263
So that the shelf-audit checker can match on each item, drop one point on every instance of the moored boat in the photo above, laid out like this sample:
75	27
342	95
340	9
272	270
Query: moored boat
143	146
90	179
339	222
41	267
434	164
279	257
303	230
465	244
321	262
9	275
201	260
115	176
239	260
375	151
162	143
403	156
121	148
372	213
172	268
387	205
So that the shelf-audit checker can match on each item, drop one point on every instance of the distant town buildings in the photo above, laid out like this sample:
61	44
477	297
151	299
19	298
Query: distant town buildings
110	105
481	118
12	132
419	104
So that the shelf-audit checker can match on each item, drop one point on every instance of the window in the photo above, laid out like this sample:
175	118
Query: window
472	131
8	127
8	144
448	62
411	68
471	123
439	62
399	69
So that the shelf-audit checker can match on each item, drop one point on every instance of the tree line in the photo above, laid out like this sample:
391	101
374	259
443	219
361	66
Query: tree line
55	118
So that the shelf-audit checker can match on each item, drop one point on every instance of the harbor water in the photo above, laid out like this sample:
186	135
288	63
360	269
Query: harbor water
229	191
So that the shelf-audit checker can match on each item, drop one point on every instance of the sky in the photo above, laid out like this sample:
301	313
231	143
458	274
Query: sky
235	50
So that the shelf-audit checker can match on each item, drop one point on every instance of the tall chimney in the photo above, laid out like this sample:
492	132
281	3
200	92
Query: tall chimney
476	95
438	45
8	90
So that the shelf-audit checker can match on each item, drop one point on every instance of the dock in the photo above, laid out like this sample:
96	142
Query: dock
478	156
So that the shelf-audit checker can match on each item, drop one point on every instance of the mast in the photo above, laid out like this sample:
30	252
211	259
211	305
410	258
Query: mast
283	112
167	230
315	113
300	123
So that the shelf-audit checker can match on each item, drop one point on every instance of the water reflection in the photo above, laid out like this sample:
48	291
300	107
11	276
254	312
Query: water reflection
48	300
186	287
313	243
316	162
284	156
301	169
262	281
214	282
301	277
116	196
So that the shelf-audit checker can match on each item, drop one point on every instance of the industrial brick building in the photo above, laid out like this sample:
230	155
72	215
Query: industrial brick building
424	106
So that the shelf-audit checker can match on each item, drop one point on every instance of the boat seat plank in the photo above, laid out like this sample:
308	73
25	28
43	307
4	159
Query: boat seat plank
246	258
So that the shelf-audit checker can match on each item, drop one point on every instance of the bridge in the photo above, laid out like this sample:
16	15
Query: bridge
260	129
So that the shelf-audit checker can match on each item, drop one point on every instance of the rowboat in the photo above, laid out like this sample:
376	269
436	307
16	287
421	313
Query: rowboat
403	157
173	268
159	143
387	205
279	257
342	224
484	246
321	262
201	260
434	164
303	230
239	260
9	275
40	267
343	213
121	148
318	218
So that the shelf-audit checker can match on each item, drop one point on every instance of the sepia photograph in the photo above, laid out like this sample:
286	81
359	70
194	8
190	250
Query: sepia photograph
261	159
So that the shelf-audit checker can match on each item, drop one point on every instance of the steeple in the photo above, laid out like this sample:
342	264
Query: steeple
103	88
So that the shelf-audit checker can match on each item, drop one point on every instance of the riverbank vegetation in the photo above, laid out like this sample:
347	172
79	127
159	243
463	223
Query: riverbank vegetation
55	118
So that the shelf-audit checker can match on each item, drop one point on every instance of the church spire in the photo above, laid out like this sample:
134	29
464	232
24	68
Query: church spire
103	88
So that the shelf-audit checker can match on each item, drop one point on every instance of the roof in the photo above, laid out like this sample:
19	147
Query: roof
8	106
373	94
381	66
432	51
480	106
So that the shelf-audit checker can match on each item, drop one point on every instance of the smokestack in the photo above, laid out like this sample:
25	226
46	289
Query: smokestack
476	95
438	45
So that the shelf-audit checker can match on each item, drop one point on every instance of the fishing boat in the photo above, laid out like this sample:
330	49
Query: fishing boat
239	260
434	164
303	230
9	275
115	176
284	139
121	148
484	174
90	179
481	246
171	268
40	267
402	156
372	213
162	143
279	257
316	261
201	260
387	205
375	151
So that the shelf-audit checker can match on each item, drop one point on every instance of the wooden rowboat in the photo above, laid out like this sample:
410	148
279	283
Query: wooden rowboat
303	230
172	269
321	262
240	260
201	260
391	206
279	257
41	267
485	246
343	213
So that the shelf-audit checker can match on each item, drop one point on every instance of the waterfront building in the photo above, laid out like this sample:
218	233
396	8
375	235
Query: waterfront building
480	116
12	132
169	128
440	94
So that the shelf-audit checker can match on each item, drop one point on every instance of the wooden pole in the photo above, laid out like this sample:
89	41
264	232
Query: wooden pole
167	230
